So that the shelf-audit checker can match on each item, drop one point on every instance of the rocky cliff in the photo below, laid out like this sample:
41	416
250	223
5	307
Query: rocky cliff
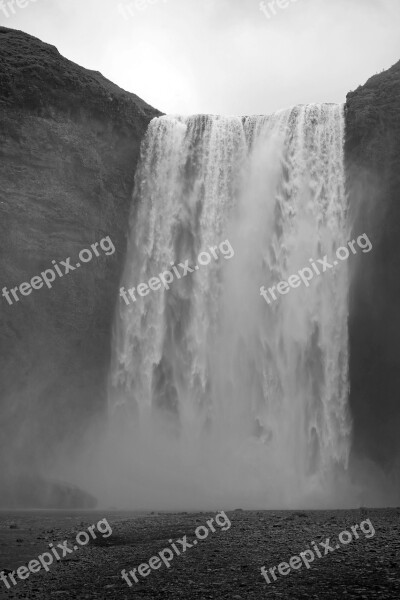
68	149
373	171
69	145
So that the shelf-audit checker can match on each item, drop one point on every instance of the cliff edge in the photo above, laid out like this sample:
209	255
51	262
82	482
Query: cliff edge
373	174
68	150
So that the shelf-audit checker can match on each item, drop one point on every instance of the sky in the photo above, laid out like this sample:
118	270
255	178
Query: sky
221	56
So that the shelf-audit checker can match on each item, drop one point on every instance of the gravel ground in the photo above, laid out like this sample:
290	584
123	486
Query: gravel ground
224	565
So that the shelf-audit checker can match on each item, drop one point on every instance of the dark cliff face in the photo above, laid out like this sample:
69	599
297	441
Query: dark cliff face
373	171
69	144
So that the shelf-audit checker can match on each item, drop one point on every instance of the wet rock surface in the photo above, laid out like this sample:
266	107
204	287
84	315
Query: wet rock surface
373	181
225	565
70	141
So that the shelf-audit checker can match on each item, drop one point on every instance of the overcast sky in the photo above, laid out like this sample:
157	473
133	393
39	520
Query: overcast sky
222	56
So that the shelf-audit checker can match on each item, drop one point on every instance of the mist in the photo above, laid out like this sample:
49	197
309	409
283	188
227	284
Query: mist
215	398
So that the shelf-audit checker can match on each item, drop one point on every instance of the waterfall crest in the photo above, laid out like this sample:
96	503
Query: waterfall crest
220	396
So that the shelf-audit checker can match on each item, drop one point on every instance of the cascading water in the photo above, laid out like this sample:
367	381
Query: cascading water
218	396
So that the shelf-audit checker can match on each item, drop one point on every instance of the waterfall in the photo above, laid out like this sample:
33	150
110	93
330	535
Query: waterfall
218	395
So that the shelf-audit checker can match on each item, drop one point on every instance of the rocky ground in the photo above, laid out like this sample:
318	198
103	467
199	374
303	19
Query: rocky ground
225	565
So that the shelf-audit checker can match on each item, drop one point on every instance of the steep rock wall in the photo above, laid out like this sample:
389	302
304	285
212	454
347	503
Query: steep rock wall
373	171
69	144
